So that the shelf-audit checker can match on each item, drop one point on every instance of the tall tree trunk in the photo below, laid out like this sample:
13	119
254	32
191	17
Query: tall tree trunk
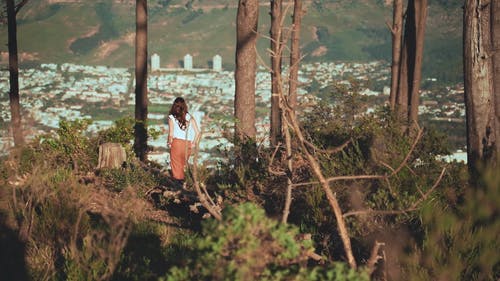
15	108
479	86
275	32
246	65
420	8
397	38
495	42
402	92
295	54
141	74
407	61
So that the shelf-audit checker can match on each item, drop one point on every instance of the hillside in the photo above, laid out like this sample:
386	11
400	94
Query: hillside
102	32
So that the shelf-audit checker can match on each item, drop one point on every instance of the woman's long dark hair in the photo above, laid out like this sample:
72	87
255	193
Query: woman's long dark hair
179	110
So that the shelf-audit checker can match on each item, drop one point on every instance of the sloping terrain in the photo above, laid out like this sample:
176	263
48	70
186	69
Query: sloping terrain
101	32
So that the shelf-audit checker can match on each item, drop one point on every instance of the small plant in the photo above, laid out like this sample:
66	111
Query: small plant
461	241
247	245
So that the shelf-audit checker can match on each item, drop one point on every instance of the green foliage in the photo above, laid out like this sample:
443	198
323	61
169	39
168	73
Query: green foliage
242	174
120	178
122	132
144	257
375	143
69	147
247	245
461	241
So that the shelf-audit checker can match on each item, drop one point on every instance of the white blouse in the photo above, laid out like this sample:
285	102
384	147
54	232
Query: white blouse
179	133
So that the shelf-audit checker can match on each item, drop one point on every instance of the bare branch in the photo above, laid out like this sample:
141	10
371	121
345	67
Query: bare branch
359	177
264	64
330	150
374	257
270	170
415	206
20	5
207	203
391	29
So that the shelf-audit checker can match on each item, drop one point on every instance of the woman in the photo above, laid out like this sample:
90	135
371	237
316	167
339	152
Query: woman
183	133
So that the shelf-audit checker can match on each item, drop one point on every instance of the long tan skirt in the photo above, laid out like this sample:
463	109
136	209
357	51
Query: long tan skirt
178	157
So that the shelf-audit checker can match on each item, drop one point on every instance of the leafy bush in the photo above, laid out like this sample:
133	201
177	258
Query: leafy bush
461	241
247	245
132	176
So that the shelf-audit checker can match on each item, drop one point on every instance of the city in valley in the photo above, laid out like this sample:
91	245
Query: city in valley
53	92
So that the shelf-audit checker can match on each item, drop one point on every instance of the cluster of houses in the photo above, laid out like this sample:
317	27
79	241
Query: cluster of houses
53	92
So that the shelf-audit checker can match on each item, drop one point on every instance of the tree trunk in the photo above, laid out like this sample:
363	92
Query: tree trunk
397	38
295	54
495	42
402	93
478	84
275	32
15	107
246	65
141	74
420	14
111	155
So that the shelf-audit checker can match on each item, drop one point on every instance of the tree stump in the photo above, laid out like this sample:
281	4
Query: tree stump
111	155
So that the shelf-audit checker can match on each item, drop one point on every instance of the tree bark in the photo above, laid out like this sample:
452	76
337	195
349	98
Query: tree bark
15	107
246	65
397	38
402	93
420	14
478	84
295	54
495	42
111	155
408	61
275	32
141	70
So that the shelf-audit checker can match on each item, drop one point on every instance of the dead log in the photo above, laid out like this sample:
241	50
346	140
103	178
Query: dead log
111	155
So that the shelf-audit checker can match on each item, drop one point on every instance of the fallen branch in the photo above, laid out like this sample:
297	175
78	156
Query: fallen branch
213	209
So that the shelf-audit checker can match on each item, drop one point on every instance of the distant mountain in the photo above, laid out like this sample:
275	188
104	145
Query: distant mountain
102	32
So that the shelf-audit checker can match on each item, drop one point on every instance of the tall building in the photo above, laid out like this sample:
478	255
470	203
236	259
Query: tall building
217	63
155	62
188	62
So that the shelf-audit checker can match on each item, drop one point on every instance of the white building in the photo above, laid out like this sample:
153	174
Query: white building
188	62
155	62
217	63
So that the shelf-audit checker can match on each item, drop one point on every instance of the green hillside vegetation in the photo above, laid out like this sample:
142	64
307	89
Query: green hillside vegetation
63	219
102	33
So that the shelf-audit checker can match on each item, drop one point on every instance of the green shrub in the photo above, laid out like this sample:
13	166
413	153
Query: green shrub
247	245
461	241
131	176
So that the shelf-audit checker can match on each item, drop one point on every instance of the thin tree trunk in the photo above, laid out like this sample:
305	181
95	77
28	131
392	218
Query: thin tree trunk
246	65
420	18
407	72
141	91
292	101
15	107
495	42
402	93
288	195
397	38
275	32
295	54
478	84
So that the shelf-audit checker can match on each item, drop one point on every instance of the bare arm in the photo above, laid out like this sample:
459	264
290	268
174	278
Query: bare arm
170	131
